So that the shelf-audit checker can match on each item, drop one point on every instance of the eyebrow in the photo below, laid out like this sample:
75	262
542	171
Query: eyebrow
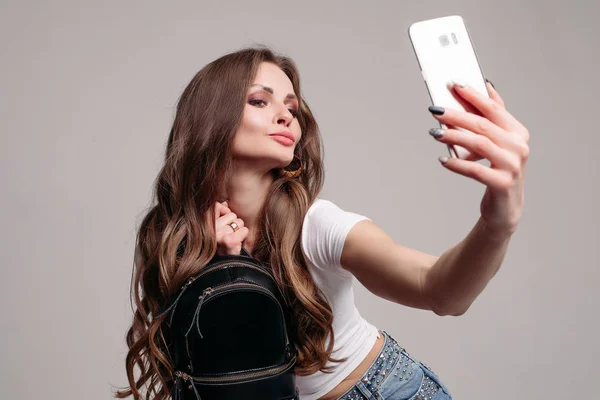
268	89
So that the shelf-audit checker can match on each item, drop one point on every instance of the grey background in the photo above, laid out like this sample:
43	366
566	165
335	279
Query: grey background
88	96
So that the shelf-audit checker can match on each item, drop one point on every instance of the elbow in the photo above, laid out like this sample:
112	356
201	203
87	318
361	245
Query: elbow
458	312
444	305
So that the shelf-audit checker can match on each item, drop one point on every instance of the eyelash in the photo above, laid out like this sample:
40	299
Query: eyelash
292	111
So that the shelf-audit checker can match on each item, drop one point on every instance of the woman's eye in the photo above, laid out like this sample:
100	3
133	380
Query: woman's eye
257	102
254	101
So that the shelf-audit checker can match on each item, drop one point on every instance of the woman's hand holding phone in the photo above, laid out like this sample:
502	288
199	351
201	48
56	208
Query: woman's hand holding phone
501	139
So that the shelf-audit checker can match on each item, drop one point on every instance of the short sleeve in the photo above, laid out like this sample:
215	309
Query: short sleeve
324	233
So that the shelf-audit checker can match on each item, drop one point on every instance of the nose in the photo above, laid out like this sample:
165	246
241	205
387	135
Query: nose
283	115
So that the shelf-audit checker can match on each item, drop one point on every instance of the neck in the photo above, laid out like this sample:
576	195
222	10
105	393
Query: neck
246	194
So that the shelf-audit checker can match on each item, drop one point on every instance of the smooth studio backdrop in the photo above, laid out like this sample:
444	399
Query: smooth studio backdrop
88	93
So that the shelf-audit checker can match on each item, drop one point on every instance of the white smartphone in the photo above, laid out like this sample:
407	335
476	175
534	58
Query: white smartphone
445	52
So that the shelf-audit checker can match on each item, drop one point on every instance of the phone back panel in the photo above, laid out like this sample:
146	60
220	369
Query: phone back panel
445	52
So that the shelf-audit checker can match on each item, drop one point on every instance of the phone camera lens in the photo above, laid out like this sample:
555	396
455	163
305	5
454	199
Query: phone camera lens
444	41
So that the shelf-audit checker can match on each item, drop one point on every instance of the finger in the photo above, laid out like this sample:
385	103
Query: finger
477	124
226	229
470	156
225	220
238	221
232	243
240	235
494	93
489	108
225	210
465	104
221	224
468	108
494	178
476	144
221	209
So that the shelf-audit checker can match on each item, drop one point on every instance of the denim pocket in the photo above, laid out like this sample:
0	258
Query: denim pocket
398	376
403	381
429	390
434	378
431	376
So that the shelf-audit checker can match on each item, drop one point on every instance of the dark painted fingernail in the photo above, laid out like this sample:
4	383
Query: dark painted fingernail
437	110
436	132
490	82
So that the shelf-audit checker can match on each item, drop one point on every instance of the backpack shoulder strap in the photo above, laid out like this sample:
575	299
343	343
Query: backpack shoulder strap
245	252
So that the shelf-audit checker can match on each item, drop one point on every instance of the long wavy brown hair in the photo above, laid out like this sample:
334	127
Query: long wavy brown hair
176	238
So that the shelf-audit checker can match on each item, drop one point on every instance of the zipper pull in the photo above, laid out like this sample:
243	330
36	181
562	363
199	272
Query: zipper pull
189	281
174	305
182	375
204	295
188	378
192	386
196	316
177	389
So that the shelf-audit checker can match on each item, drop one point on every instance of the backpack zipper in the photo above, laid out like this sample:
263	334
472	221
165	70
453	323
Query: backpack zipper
220	289
207	270
185	285
231	378
172	307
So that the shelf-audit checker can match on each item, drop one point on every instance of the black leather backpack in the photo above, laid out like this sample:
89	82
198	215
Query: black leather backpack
229	328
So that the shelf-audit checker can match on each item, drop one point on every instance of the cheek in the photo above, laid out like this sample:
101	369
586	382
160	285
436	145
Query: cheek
253	119
296	130
251	128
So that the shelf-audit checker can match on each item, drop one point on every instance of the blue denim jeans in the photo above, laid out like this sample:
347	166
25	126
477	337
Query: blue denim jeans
395	375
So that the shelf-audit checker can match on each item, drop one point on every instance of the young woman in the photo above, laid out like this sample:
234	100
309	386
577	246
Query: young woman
243	133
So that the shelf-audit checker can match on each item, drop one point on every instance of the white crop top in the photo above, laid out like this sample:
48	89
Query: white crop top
323	236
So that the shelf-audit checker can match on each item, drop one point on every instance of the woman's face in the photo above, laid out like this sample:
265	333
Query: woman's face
270	108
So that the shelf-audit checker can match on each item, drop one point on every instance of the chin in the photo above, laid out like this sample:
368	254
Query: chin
282	164
284	157
288	160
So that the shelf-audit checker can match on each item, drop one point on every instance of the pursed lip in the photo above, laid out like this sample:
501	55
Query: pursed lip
284	134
